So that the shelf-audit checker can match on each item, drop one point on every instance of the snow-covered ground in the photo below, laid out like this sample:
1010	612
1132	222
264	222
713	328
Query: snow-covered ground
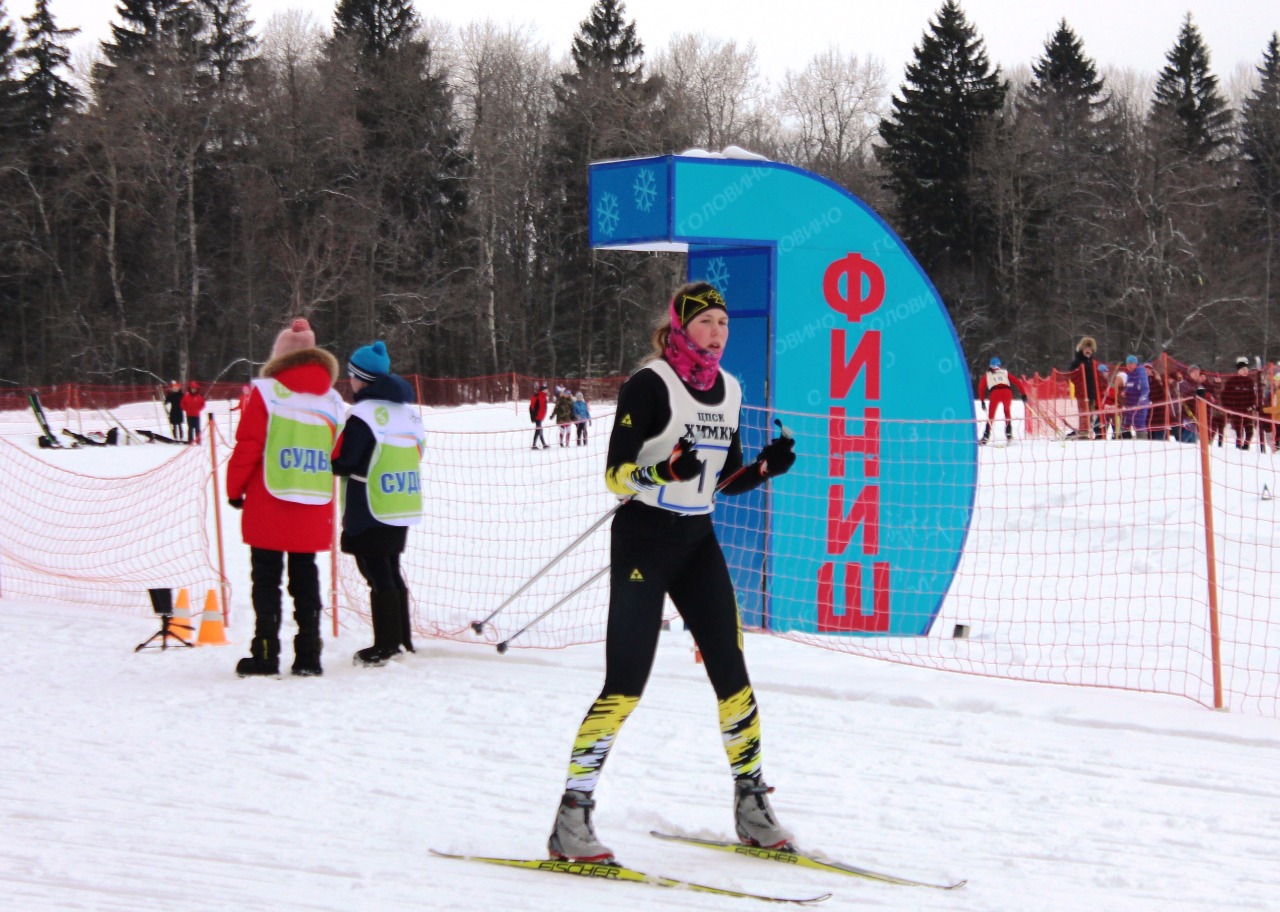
160	781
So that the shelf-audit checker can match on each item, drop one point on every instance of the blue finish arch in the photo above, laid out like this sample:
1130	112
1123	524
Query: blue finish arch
834	323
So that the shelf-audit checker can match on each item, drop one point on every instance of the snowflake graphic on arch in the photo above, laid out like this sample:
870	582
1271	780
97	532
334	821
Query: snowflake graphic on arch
718	274
646	189
607	215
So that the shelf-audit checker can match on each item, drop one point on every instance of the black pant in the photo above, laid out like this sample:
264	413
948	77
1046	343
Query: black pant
193	429
537	434
266	572
381	571
657	552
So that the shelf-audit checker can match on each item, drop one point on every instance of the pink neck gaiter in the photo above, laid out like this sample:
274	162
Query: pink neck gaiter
695	366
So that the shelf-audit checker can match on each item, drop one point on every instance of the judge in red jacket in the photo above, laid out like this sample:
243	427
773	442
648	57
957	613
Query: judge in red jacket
279	474
995	385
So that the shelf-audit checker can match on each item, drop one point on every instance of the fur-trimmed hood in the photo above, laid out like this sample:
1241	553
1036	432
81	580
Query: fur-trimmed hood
1087	342
300	358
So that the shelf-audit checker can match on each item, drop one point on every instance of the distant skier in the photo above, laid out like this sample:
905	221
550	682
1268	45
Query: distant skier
997	385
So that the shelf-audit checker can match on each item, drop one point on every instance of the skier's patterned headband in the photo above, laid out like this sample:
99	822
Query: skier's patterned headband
688	306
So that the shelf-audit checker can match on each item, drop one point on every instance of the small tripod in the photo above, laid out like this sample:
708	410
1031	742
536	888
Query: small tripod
162	604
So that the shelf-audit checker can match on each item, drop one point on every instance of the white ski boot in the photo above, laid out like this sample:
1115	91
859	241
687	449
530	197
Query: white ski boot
573	837
753	817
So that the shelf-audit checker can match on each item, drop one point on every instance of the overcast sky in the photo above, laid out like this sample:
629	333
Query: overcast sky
787	33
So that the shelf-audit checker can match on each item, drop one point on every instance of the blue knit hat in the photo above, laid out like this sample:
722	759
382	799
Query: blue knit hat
995	362
370	362
1132	359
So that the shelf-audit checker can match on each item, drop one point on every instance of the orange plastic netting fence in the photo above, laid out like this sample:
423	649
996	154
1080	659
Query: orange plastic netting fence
71	533
1084	562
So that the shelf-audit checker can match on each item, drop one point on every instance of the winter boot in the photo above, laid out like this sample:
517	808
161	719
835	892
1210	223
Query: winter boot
307	645
264	659
406	621
986	436
573	837
753	817
384	607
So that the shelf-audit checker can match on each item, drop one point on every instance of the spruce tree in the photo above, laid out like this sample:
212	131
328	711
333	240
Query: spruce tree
230	45
1260	154
950	96
1069	140
408	166
1260	131
606	107
1188	108
1066	92
11	119
375	26
47	96
142	25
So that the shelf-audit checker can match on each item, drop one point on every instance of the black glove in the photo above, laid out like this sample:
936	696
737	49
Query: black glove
683	464
237	503
983	403
778	457
1024	397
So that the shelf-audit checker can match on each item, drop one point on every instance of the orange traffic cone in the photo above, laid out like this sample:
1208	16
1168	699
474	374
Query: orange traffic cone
212	632
181	625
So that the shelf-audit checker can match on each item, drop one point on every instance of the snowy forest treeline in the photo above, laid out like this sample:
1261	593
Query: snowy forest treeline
164	207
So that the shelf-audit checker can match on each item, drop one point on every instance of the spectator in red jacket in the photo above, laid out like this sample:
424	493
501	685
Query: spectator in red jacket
280	475
538	414
193	406
1240	399
997	385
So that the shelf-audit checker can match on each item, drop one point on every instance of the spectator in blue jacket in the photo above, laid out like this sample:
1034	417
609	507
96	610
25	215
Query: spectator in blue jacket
1135	399
581	417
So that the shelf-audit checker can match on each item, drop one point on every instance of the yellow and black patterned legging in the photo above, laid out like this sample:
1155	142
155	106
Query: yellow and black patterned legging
656	552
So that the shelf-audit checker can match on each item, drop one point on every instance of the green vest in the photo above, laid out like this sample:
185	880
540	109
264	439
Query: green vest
301	428
394	482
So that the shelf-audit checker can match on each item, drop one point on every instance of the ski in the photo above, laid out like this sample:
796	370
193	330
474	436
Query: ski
34	401
621	872
805	860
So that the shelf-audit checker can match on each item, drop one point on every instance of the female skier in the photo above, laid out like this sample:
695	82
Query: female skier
676	435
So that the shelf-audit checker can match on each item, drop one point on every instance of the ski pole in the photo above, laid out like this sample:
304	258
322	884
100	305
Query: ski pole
502	647
478	626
